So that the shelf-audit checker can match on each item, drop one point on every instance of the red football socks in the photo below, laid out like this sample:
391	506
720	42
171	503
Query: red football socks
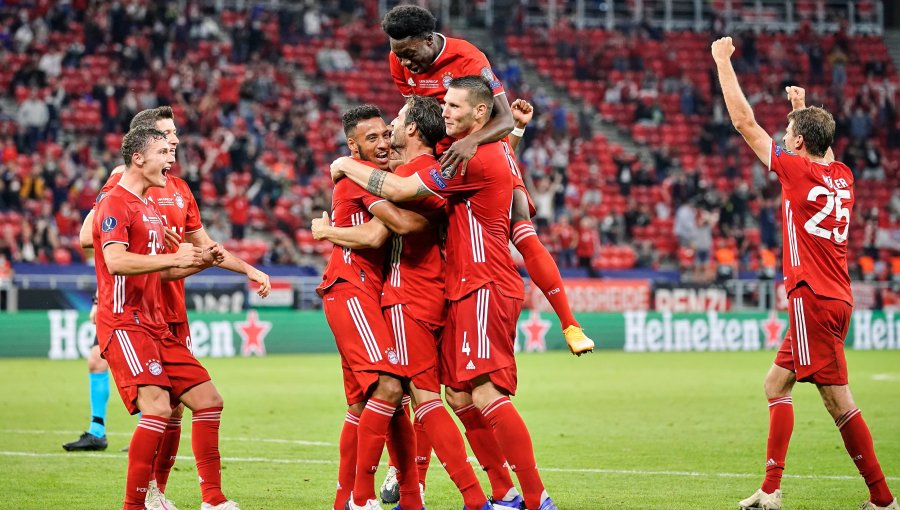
515	442
373	427
487	451
205	443
347	463
543	271
401	444
423	448
858	441
141	452
450	449
781	425
168	450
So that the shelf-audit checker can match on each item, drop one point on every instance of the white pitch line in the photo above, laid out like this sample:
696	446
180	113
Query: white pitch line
692	474
186	434
886	377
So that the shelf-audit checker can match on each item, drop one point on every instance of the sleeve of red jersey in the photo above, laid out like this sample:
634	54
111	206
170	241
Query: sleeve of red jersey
110	184
477	64
192	222
444	185
112	221
784	162
369	199
398	75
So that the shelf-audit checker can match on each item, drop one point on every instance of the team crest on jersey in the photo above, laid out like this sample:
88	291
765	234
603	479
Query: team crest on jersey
100	197
412	82
179	200
446	78
392	356
437	178
109	223
154	366
779	150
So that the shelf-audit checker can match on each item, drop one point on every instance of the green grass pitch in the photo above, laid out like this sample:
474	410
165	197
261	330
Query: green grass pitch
611	430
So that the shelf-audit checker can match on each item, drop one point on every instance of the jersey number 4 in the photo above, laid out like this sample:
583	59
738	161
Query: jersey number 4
832	199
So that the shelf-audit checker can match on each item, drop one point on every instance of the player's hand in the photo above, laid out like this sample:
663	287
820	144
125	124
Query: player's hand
262	279
797	97
172	239
522	112
214	255
93	315
722	49
319	225
336	169
188	256
458	155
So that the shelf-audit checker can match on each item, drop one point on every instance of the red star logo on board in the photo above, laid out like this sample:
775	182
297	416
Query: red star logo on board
535	330
253	334
773	326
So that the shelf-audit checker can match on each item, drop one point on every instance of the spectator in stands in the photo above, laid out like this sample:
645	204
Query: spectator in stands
648	112
565	237
646	255
685	224
588	245
32	117
860	124
726	261
544	198
702	239
873	169
895	205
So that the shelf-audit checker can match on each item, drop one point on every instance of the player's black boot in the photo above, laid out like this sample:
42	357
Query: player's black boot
87	442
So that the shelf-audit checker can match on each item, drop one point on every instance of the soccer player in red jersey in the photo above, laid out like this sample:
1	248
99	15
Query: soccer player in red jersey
483	286
817	199
424	62
413	297
153	370
181	217
351	291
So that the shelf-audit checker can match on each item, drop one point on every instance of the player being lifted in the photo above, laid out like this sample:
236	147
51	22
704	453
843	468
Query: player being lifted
817	200
413	297
424	62
153	370
483	286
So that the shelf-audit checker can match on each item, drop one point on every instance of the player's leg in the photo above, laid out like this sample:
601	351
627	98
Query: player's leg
206	404
401	446
544	273
448	445
390	487
154	405
98	375
347	459
858	440
165	459
424	447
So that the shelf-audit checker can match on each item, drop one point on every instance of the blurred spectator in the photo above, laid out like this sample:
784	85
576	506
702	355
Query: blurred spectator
685	224
566	237
32	117
588	245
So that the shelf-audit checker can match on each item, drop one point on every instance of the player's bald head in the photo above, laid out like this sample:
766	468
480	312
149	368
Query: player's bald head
405	21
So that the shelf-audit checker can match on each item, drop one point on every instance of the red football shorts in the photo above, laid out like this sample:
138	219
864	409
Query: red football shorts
136	359
813	347
480	339
363	339
417	344
181	331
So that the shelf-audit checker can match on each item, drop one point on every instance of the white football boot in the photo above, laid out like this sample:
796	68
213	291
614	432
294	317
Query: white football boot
762	501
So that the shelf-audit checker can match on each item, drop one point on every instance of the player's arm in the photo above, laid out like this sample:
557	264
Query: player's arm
397	220
497	128
227	260
371	234
378	182
738	107
86	234
797	97
122	262
522	112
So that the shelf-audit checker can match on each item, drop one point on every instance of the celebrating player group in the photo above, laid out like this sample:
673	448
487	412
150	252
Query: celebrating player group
422	294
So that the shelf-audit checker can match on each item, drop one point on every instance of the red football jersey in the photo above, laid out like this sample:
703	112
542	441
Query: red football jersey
415	274
179	212
458	58
478	234
350	206
817	201
129	303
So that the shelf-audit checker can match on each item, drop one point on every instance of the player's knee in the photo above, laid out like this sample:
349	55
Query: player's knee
178	412
457	399
357	408
389	389
95	363
157	407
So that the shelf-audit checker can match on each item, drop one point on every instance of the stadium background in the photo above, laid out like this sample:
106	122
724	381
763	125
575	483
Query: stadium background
666	228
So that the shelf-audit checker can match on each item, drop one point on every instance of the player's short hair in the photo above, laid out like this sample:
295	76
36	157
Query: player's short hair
148	118
357	114
408	21
816	126
478	88
426	112
138	140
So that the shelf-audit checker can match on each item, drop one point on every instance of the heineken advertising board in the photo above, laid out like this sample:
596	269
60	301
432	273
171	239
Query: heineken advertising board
67	334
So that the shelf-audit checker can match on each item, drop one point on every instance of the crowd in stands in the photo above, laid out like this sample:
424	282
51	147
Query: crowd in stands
256	97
